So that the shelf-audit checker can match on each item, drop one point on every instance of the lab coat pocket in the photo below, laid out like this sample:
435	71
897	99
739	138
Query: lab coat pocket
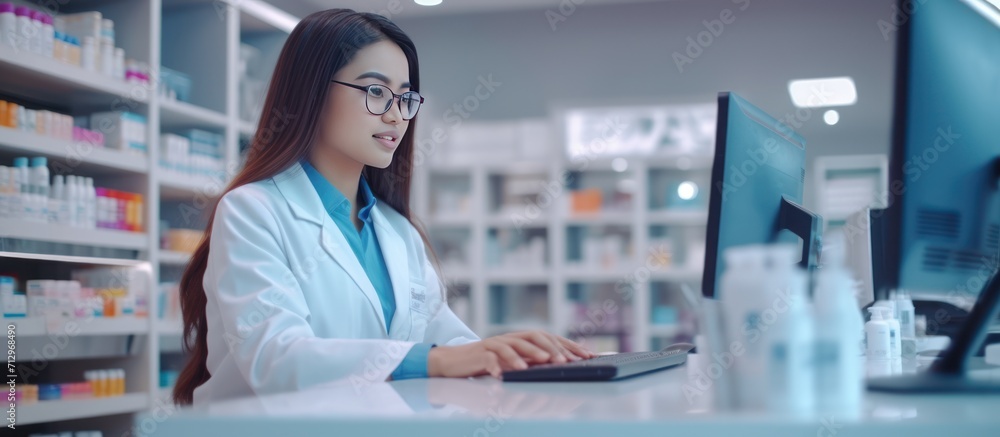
420	312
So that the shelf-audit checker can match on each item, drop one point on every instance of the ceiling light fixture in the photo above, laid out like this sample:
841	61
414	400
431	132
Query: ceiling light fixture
268	14
818	93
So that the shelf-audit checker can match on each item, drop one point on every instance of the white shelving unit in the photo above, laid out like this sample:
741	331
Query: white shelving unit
560	273
198	37
169	257
55	411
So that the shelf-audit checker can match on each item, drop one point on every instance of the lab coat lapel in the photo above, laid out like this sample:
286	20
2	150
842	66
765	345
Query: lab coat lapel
335	244
394	251
306	205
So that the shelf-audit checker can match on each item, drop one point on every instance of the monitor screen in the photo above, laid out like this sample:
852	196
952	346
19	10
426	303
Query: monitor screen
757	179
946	142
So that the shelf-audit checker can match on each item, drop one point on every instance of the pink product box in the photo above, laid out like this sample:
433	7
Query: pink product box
76	390
134	76
88	136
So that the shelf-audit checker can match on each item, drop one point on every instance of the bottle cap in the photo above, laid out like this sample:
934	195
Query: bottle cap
876	312
21	162
39	161
6	8
22	11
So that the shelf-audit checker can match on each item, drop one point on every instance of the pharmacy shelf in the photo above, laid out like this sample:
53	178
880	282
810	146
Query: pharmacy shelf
247	128
179	186
678	274
40	326
450	220
178	114
78	155
169	327
458	275
601	218
515	220
575	273
172	258
28	230
507	275
38	82
54	411
165	394
74	259
683	218
50	81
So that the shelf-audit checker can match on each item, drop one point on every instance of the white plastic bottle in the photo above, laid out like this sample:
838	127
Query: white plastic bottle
48	35
839	333
107	57
81	202
35	43
895	344
877	339
57	203
90	200
25	210
23	36
5	186
790	339
14	207
742	295
907	315
88	53
8	24
72	200
40	180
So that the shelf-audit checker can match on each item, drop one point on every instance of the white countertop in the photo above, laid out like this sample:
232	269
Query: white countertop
653	404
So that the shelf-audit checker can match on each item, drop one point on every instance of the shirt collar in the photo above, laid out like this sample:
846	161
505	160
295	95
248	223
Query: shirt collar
334	201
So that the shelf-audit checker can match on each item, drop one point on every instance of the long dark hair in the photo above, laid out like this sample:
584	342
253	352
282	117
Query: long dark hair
320	45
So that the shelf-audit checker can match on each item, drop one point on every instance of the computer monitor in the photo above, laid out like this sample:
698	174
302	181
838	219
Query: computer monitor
944	214
757	179
944	220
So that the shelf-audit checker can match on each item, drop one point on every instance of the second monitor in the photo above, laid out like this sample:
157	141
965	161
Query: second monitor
757	179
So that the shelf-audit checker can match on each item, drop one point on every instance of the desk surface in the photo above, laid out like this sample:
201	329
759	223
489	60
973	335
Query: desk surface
654	404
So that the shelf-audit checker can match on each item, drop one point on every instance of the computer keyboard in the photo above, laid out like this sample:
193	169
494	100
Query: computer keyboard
607	367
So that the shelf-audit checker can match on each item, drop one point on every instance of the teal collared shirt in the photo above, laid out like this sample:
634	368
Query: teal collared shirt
364	244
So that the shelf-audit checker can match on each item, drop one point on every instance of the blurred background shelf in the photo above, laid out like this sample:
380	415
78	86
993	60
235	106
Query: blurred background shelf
28	230
169	327
84	156
47	80
169	257
73	259
54	411
178	113
179	186
40	326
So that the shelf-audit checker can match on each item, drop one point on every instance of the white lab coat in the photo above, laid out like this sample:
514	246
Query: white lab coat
289	304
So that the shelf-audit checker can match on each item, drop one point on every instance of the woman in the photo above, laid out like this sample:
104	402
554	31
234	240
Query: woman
312	270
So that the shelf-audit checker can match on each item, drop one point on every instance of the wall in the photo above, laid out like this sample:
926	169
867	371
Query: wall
601	54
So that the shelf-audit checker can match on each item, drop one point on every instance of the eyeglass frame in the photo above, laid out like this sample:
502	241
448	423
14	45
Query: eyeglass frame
396	97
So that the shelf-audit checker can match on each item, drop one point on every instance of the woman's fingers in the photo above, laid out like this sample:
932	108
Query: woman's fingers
492	366
528	350
509	358
576	348
541	340
570	355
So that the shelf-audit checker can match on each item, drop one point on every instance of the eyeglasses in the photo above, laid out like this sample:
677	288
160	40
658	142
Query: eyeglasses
379	99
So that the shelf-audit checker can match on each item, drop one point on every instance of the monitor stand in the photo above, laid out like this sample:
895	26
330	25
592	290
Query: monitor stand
949	373
806	225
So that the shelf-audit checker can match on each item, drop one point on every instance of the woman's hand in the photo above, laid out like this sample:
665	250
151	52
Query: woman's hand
494	355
